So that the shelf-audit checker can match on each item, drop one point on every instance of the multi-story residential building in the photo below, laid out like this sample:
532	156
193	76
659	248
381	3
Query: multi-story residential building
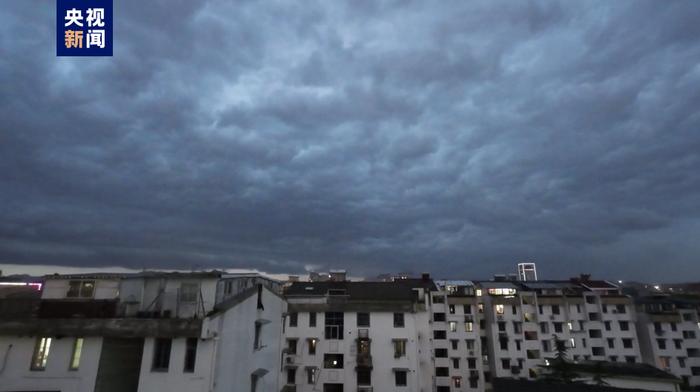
459	346
358	336
669	335
137	332
520	320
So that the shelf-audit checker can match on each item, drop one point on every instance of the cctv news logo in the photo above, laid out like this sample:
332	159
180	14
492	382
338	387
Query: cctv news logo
83	27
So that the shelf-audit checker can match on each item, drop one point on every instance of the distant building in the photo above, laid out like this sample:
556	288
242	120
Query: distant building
527	272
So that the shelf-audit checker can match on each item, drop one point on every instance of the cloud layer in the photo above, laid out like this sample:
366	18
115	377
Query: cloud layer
453	137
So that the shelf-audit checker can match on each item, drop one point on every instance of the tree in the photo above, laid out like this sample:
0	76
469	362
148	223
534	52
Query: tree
559	368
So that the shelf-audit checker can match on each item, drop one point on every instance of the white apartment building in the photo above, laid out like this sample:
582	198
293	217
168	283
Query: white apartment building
139	332
669	336
358	336
459	344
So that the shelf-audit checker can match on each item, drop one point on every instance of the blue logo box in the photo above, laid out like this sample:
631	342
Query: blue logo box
83	27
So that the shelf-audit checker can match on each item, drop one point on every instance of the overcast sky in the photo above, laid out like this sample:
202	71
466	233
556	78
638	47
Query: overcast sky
455	137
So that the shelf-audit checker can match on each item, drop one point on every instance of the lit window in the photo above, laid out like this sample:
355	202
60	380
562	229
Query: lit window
469	326
457	382
453	326
311	375
500	309
478	292
399	348
75	357
312	346
572	343
41	353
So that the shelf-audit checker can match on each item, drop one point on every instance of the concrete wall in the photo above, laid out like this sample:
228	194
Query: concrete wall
17	376
234	333
175	379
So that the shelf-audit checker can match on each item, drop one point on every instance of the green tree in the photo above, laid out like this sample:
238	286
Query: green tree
559	368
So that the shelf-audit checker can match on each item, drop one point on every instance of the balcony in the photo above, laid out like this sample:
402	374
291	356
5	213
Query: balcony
364	361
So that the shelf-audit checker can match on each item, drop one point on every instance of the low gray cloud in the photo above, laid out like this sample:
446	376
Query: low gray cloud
453	137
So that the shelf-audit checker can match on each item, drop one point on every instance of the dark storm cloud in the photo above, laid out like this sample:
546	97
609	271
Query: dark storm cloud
455	137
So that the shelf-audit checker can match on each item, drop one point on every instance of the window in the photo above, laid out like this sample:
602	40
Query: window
501	326
505	363
333	361
312	346
400	378
190	354
455	363
611	343
514	310
188	292
664	362
452	309
81	289
688	334
469	326
439	317
467	309
695	370
254	382
572	343
453	326
621	308
454	343
398	320
364	377
598	351
558	327
678	344
256	341
681	363
608	326
334	325
503	343
291	376
292	346
439	299
480	307
595	333
161	354
555	309
312	319
293	319
399	348
627	343
41	353
471	363
500	309
442	372
457	381
311	375
439	335
661	343
624	326
75	355
440	353
470	344
363	319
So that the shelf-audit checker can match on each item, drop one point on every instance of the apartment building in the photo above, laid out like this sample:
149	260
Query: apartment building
459	344
134	332
669	335
358	336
